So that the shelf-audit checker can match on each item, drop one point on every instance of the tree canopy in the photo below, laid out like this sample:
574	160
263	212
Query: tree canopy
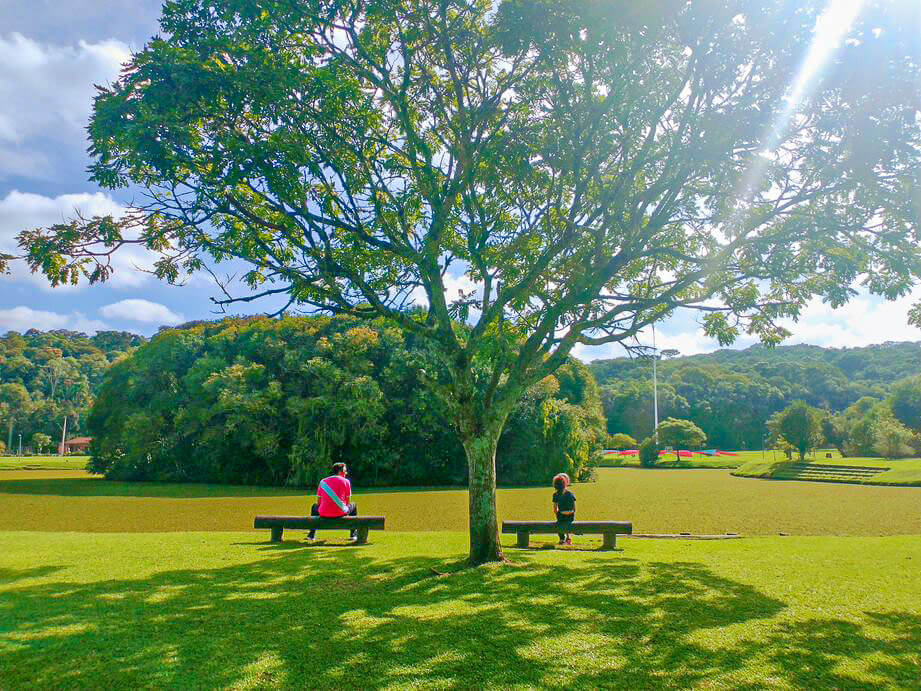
799	425
277	401
590	166
680	434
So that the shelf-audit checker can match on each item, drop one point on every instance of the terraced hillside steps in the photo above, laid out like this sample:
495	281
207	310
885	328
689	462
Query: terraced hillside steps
820	472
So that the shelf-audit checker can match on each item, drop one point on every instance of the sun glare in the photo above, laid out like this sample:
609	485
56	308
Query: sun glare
831	28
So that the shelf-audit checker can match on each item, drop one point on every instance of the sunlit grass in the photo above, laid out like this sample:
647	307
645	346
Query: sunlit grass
904	472
43	462
204	610
656	501
740	458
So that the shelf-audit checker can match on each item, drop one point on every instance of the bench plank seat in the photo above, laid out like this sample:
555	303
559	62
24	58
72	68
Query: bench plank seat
361	524
609	530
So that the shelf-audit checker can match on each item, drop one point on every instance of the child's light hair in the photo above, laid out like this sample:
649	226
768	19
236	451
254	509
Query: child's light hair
561	481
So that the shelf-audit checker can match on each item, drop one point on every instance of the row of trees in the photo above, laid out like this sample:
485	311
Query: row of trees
731	394
46	376
276	401
889	427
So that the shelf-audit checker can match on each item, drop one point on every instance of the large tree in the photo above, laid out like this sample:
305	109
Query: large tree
905	401
680	434
590	165
15	407
800	425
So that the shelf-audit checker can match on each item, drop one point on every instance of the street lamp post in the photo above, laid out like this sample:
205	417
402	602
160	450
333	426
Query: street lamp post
655	386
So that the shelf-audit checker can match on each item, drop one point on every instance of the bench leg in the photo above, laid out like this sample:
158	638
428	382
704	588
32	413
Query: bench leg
362	536
277	533
523	538
610	541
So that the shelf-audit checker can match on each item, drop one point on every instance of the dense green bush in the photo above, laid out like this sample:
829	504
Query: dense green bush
262	401
621	441
649	452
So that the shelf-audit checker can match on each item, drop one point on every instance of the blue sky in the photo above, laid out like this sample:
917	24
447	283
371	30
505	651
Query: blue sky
51	54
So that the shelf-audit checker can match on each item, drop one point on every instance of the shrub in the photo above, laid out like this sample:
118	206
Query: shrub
621	441
893	439
649	452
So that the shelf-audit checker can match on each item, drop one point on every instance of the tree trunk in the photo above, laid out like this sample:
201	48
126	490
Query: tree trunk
484	521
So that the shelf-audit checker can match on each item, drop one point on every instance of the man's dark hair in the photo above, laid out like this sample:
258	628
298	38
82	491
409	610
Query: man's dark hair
338	468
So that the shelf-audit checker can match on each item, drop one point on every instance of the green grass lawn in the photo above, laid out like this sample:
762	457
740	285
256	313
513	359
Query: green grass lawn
161	585
656	501
742	457
43	462
906	472
203	610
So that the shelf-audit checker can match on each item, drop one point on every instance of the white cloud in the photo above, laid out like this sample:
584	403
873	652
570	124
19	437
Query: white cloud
46	86
23	210
689	342
143	311
865	320
24	318
453	284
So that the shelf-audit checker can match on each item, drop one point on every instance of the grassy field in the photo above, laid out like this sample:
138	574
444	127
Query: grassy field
900	472
203	610
43	462
657	501
742	457
128	585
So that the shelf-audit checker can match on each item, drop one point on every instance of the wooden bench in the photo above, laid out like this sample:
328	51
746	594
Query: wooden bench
360	524
608	529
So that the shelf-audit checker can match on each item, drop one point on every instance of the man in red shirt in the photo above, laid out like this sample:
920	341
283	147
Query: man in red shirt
334	496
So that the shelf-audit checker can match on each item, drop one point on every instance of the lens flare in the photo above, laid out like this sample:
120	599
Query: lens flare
831	28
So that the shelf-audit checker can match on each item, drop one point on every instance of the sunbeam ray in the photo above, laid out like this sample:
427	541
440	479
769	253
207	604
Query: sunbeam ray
831	28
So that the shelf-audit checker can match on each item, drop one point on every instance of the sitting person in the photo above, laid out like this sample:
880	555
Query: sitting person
334	495
564	506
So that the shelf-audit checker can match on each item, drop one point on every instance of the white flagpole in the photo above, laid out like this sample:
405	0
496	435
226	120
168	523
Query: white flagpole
655	385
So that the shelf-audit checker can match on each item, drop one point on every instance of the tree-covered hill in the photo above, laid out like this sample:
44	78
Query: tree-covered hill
47	375
276	401
731	393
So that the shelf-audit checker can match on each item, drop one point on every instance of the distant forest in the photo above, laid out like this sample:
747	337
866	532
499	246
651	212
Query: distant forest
46	376
730	394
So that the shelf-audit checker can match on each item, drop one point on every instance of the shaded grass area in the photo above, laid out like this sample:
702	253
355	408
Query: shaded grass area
83	484
222	609
656	501
43	462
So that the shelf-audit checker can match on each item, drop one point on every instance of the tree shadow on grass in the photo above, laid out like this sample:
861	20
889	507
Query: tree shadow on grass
822	648
343	618
8	576
100	487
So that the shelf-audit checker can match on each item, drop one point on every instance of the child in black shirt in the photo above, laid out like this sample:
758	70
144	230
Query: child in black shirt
564	506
